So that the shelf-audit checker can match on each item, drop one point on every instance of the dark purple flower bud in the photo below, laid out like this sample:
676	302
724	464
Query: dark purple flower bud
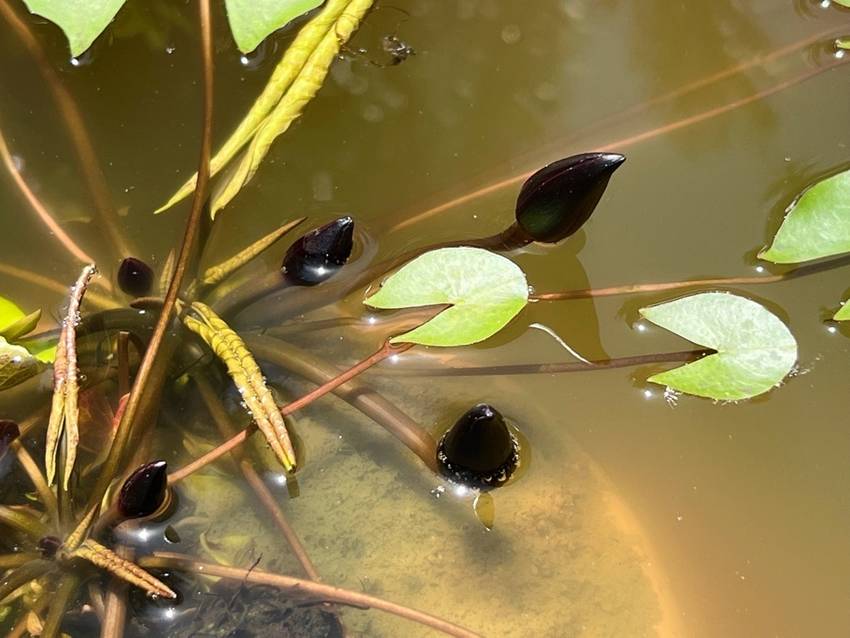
9	431
559	198
317	255
144	491
49	545
135	277
479	450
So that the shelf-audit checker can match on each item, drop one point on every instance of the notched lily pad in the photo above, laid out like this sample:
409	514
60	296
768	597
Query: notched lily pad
251	21
755	350
817	224
81	20
483	290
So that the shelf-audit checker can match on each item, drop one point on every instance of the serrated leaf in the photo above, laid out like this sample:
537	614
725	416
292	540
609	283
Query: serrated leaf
81	20
755	350
251	21
16	364
817	224
484	291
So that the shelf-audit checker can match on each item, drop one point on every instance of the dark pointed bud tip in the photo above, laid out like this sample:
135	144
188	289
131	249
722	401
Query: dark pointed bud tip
135	277
49	545
319	254
145	490
479	450
9	431
559	198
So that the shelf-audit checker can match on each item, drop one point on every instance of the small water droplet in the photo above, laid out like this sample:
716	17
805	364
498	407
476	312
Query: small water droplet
170	49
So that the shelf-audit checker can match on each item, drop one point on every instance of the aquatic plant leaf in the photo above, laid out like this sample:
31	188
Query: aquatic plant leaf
302	90
81	20
22	326
817	224
843	43
106	559
755	350
217	273
251	21
293	60
64	411
16	364
843	313
10	313
247	376
483	290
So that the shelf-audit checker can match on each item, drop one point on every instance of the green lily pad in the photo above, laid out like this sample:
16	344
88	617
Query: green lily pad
843	313
483	290
817	224
81	20
16	364
755	350
251	21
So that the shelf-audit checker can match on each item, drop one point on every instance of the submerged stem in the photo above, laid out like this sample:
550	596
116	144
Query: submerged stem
59	602
304	588
22	575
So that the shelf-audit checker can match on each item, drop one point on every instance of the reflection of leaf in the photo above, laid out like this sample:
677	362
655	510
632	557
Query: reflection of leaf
817	224
16	364
81	20
484	291
252	20
755	350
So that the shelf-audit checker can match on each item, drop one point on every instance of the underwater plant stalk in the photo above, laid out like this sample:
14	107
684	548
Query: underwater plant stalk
22	575
10	561
382	353
115	604
80	138
92	297
627	289
624	143
225	427
188	249
304	588
22	521
59	602
28	464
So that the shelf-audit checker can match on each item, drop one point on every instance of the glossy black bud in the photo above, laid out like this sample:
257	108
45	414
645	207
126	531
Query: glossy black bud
48	546
145	490
559	198
9	431
479	450
135	277
317	255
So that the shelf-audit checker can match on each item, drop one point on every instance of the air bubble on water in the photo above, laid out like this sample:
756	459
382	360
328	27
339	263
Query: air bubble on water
825	4
255	58
170	49
438	491
671	397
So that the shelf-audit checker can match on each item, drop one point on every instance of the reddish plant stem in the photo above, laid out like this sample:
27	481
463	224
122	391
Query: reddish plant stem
622	144
385	351
304	588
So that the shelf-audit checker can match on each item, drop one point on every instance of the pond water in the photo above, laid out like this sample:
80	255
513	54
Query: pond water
634	515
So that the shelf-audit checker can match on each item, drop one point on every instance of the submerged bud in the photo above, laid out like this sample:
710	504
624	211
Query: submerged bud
135	277
479	450
559	198
317	255
145	490
48	546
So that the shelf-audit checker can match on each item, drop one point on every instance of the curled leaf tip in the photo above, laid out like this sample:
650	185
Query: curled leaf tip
559	198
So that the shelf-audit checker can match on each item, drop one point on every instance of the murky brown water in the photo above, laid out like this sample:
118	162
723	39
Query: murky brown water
634	517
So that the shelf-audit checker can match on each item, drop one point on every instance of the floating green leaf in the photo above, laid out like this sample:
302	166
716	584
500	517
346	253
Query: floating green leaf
817	224
22	326
81	20
755	350
251	21
843	43
16	364
484	291
9	314
843	313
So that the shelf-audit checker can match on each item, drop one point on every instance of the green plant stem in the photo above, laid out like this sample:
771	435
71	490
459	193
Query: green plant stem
22	521
10	561
115	605
48	498
385	351
62	597
22	575
801	271
143	391
304	588
225	427
358	394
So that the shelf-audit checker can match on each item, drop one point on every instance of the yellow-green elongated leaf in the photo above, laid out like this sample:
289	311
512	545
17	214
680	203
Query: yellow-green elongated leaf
817	224
247	377
290	65
755	350
16	364
217	273
22	326
109	561
303	89
9	314
81	20
484	291
251	21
